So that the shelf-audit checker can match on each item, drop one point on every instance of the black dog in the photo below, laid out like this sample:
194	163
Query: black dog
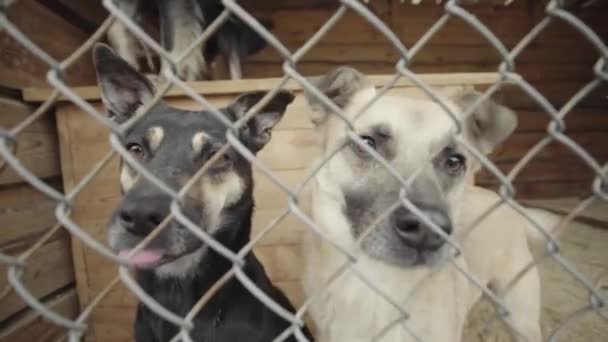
181	22
177	268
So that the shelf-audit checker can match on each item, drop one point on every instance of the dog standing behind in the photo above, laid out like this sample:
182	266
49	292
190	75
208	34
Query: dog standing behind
181	22
176	268
402	256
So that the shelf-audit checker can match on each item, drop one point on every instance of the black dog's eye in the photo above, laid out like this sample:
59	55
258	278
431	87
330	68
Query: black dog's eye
222	162
136	150
366	139
455	163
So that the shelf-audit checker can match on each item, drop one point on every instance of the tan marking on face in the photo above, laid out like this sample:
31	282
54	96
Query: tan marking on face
155	137
198	141
219	194
128	177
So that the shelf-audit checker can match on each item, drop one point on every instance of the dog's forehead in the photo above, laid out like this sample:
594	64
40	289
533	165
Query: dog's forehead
411	123
177	124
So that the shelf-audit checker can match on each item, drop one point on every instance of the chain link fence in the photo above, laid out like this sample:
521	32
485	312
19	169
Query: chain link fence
453	10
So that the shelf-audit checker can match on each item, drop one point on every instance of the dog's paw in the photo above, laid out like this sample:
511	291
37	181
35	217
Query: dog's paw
156	79
193	67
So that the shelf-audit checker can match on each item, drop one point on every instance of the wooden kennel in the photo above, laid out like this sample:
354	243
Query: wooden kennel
84	142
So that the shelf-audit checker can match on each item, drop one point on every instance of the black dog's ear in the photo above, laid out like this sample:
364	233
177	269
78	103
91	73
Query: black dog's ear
490	124
339	85
257	131
123	89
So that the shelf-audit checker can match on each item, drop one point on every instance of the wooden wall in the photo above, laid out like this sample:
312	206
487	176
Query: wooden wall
25	213
557	63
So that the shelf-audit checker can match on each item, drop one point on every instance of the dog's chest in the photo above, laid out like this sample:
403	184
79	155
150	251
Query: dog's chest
351	310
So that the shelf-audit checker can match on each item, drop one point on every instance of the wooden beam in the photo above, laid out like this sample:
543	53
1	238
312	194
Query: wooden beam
48	269
25	213
240	86
19	68
37	144
31	326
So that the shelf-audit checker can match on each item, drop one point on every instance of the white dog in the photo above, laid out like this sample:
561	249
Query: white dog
402	256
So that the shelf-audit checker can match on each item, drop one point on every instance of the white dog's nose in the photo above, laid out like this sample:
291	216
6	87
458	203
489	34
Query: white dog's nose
413	232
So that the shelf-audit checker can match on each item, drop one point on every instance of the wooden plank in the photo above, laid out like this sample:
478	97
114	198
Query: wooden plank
31	326
38	152
37	145
19	68
544	190
13	112
430	54
533	72
547	170
92	11
48	269
223	87
299	25
509	23
556	93
63	116
518	144
24	213
578	120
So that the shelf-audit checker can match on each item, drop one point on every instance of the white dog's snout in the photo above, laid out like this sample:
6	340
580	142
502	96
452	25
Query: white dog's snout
415	232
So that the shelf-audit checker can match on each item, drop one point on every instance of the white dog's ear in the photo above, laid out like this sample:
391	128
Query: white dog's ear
490	124
257	131
123	89
339	85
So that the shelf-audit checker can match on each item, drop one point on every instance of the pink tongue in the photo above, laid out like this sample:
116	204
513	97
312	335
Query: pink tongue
145	258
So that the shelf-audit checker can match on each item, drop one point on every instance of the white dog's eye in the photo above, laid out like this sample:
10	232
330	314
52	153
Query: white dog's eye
368	140
455	163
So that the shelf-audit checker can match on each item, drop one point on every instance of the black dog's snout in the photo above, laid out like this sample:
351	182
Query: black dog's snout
139	215
415	233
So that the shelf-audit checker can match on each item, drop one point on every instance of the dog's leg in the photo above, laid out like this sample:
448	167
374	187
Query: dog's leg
234	65
521	299
181	22
124	42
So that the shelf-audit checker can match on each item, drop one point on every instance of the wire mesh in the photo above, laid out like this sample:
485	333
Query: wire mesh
453	10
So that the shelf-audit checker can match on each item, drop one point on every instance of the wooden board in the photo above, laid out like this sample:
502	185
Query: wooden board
48	269
533	72
19	68
31	326
232	87
509	23
24	213
37	144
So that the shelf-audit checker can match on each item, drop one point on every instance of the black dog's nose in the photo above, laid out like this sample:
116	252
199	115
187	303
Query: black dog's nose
415	233
140	215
